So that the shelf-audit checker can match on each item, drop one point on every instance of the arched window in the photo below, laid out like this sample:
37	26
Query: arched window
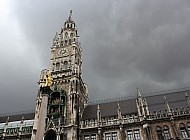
57	66
66	42
183	130
159	133
71	35
65	65
188	127
166	133
66	35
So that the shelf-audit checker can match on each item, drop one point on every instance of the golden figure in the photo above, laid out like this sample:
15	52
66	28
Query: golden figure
49	79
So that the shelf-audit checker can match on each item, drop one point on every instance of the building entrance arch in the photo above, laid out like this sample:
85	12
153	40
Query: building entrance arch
50	135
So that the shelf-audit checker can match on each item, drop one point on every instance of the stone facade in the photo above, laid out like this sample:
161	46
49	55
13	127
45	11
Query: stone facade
63	113
67	96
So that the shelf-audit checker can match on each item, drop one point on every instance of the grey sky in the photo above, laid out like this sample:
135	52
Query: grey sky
125	43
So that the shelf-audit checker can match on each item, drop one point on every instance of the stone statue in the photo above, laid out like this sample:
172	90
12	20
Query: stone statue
49	79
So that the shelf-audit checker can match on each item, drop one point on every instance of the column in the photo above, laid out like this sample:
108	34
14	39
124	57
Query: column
42	117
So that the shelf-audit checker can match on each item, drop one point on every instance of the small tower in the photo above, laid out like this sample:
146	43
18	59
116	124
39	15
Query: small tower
142	106
68	93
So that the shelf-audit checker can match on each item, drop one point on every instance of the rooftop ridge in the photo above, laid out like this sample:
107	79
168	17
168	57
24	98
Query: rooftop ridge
17	113
109	100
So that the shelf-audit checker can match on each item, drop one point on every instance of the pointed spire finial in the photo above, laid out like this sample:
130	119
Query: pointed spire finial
7	120
70	15
98	114
119	111
138	92
118	106
22	119
55	38
165	98
167	105
186	95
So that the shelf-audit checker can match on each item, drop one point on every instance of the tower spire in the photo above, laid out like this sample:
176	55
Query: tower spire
70	15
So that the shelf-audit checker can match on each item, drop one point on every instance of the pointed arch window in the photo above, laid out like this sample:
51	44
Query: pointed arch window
183	131
57	66
159	133
65	65
66	35
166	133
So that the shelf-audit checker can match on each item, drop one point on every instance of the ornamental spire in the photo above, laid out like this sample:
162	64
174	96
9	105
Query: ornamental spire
70	15
167	105
119	112
138	92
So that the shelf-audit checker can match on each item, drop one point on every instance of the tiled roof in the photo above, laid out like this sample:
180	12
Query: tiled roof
175	100
128	106
110	109
18	117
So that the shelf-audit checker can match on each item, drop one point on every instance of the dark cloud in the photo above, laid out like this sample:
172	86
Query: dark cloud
125	44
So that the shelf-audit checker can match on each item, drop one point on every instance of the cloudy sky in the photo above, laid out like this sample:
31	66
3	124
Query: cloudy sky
125	43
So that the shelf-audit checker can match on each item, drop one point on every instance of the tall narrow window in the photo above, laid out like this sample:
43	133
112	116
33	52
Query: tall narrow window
137	135
188	127
57	66
65	65
114	136
93	137
159	133
129	135
66	35
166	133
108	136
183	131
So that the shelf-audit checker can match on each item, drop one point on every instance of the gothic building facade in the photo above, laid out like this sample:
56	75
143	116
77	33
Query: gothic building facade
63	113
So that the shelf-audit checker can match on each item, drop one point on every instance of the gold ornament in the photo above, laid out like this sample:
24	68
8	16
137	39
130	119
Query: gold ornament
49	79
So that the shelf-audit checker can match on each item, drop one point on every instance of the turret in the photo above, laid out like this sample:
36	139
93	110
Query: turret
142	106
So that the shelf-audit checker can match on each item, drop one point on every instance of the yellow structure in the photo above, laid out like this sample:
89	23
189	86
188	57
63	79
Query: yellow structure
49	79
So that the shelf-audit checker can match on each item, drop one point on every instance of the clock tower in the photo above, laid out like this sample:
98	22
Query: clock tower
67	96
